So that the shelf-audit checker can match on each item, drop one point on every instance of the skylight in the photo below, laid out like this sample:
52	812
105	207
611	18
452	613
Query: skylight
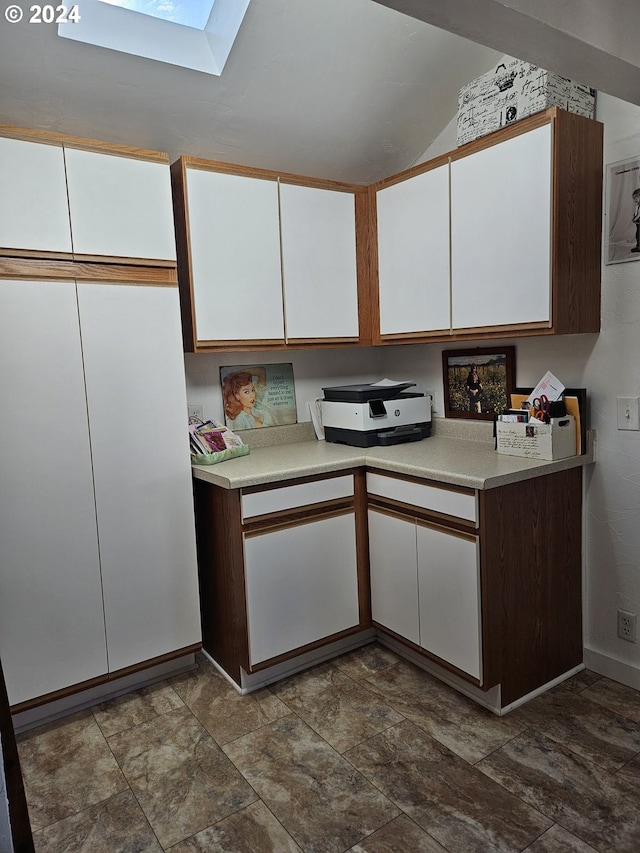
197	34
189	13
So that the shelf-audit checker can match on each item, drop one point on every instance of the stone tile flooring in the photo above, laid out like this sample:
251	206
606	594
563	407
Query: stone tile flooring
366	754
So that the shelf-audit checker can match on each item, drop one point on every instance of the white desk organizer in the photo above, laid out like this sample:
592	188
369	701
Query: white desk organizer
537	440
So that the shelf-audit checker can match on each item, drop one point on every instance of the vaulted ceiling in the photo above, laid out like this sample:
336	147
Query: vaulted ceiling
342	89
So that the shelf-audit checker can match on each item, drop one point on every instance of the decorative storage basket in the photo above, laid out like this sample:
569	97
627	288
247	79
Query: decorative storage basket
516	89
537	440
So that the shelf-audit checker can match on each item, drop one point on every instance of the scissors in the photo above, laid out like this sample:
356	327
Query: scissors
541	408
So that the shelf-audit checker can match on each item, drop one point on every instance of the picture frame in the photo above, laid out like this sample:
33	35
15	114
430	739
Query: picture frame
488	395
258	395
622	211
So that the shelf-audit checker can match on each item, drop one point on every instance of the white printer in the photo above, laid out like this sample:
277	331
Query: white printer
375	414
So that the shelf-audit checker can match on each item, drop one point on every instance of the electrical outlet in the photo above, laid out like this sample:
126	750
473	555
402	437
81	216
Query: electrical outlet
194	410
627	626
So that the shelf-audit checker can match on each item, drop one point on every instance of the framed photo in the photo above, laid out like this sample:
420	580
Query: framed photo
478	382
622	207
258	395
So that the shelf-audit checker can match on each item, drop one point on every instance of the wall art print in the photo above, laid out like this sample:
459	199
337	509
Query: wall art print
258	395
622	208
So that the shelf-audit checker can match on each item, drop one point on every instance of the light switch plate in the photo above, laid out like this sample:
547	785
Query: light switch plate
628	412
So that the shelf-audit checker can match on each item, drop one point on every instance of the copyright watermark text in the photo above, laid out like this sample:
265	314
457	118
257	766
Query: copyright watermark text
43	14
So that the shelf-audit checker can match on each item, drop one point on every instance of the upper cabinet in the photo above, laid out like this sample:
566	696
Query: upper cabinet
501	200
268	260
66	198
120	206
413	254
34	214
500	237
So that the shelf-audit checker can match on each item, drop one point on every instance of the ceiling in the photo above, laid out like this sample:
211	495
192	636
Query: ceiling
341	89
350	90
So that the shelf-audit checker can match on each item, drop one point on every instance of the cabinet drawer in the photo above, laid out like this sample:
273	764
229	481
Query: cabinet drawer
302	494
436	498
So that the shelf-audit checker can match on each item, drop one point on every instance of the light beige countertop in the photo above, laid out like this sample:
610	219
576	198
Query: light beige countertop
459	453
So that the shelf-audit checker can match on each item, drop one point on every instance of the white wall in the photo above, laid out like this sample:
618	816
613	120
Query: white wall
312	370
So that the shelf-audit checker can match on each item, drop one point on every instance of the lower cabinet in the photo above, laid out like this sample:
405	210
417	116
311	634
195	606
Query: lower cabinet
393	566
425	587
282	569
301	585
449	597
98	571
486	585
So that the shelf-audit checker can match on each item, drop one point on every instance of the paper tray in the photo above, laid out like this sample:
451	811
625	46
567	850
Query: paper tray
365	392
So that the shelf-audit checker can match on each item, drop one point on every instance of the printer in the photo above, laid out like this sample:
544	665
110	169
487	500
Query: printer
375	414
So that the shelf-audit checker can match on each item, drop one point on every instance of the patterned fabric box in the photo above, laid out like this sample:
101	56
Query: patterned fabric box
514	90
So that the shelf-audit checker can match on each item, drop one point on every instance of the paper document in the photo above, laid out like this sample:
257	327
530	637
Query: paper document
550	386
389	383
315	410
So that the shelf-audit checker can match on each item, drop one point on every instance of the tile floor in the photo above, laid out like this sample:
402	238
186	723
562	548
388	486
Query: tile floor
366	753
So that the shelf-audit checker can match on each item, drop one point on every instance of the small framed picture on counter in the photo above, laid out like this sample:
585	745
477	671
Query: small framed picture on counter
478	382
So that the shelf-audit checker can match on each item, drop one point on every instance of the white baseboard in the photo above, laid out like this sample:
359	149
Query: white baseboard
616	670
52	711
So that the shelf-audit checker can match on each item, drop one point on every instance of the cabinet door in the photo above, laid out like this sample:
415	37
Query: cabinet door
137	412
319	262
413	254
120	206
234	239
51	615
448	581
501	233
34	213
394	574
301	585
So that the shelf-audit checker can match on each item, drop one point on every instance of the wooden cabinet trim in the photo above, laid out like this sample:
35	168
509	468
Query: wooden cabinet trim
423	481
103	679
267	174
430	518
30	268
47	137
258	525
296	481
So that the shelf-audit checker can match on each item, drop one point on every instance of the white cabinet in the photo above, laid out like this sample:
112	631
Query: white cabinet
234	244
394	574
413	253
501	236
501	203
96	509
318	262
265	262
51	614
449	595
120	206
57	200
301	585
134	370
425	578
34	214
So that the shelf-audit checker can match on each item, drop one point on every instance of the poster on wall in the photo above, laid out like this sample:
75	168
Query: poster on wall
258	395
623	211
